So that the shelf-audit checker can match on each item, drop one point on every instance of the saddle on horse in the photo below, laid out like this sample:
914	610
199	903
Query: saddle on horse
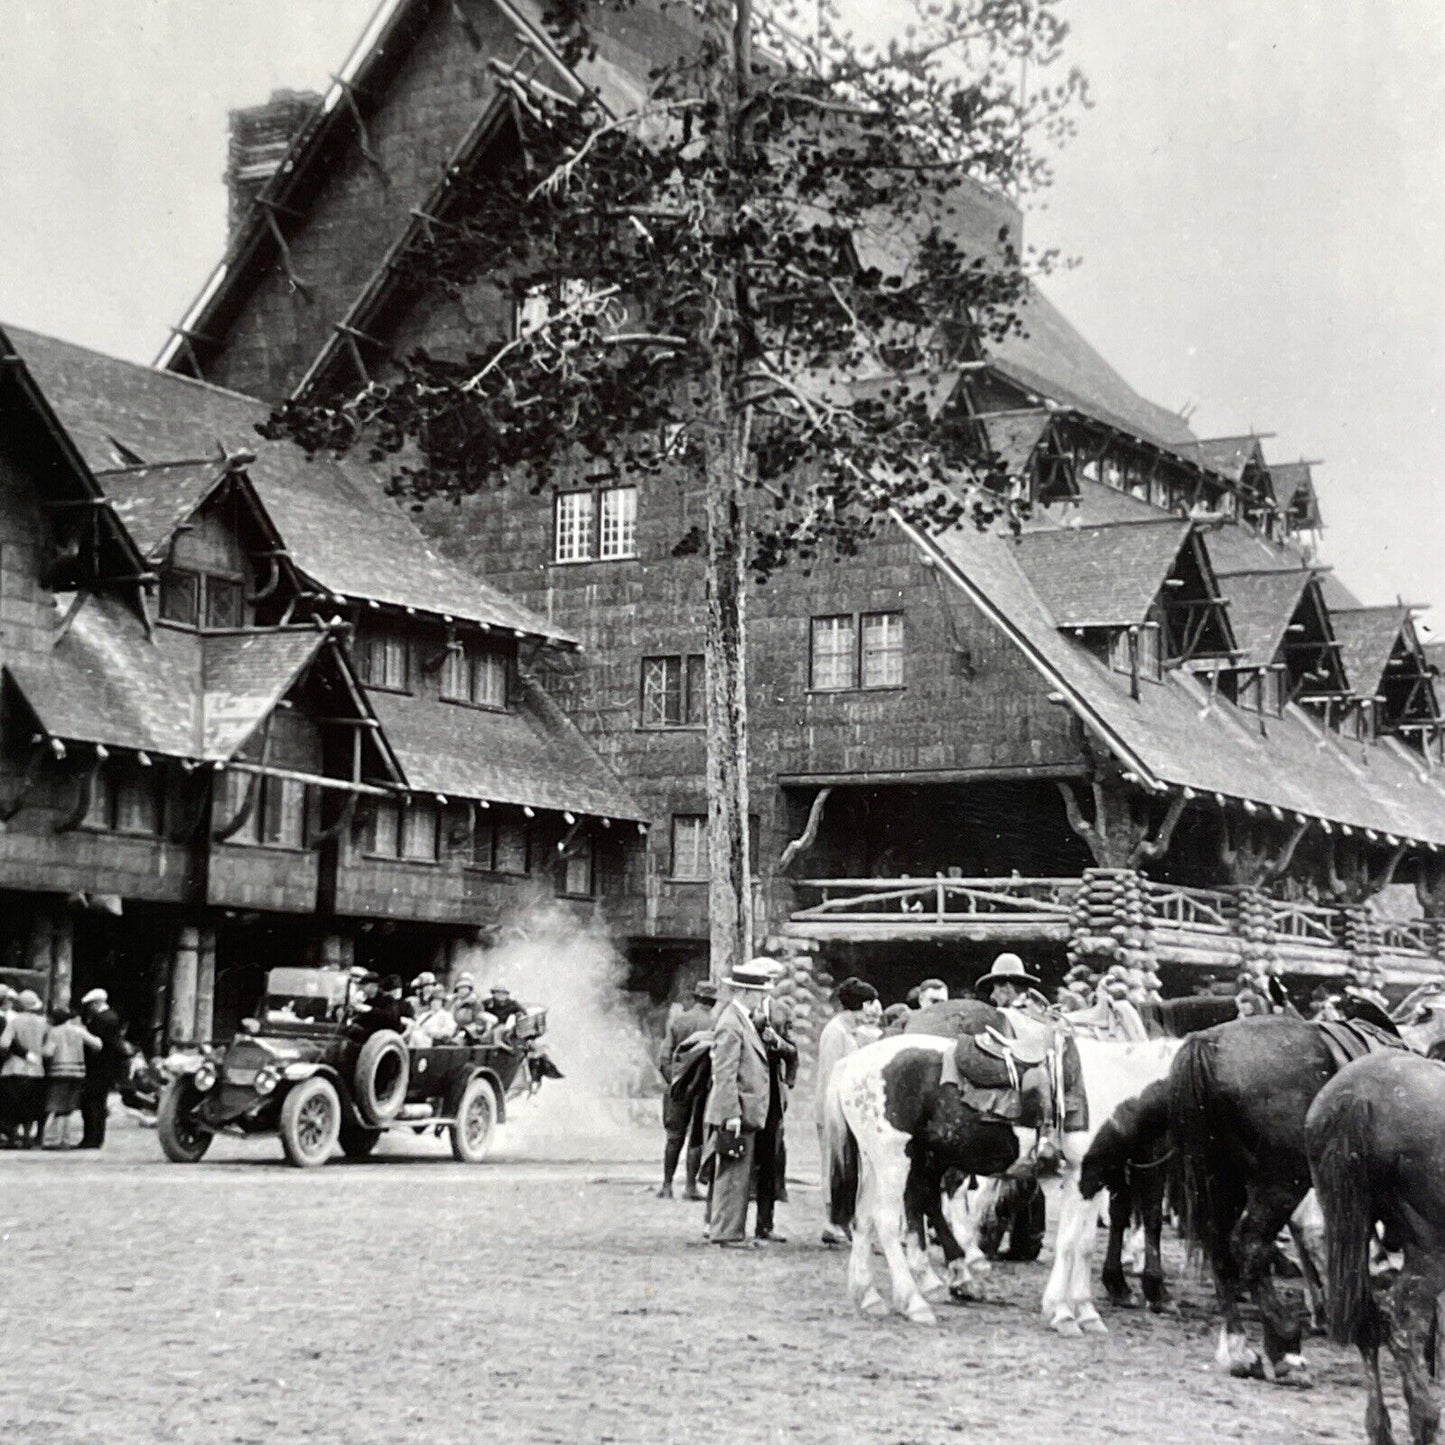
1351	1039
1026	1073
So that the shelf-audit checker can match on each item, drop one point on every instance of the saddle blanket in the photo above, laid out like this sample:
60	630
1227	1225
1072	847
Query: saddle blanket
1351	1039
987	1086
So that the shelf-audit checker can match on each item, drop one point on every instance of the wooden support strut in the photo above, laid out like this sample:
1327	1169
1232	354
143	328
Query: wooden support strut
348	94
27	782
297	284
342	823
805	840
84	794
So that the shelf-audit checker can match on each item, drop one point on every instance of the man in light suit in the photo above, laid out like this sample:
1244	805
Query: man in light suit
737	1105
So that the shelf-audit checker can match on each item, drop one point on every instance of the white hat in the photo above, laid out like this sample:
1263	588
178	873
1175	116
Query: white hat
753	975
1007	968
96	995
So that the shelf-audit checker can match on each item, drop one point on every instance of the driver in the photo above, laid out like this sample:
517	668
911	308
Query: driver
385	1011
502	1006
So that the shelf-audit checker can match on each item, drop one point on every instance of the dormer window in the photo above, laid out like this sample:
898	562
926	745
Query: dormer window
202	599
1134	651
476	675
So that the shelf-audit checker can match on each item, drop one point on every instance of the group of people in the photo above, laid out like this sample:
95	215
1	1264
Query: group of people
54	1066
430	1014
732	1133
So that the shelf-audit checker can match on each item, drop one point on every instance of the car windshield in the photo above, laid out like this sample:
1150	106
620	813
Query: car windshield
304	996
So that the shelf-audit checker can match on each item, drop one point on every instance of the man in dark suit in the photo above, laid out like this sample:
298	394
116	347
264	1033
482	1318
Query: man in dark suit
387	1011
103	1066
774	1023
737	1106
682	1117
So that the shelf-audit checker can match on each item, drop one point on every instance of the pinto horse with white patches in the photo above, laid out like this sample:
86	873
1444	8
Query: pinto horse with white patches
894	1125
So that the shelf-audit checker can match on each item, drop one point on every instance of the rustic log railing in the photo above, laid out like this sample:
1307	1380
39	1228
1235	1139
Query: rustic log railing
1200	910
1418	936
943	900
1308	923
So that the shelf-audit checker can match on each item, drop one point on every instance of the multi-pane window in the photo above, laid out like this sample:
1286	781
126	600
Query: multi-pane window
576	880
408	830
883	649
200	599
126	801
835	653
574	526
475	675
501	845
278	810
690	851
1144	648
383	661
689	847
674	691
619	522
598	524
849	651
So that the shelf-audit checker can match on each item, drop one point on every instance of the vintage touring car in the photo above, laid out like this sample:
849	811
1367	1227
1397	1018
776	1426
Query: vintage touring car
306	1069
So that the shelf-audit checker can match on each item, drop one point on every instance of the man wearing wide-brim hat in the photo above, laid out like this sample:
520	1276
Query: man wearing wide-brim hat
1006	982
737	1104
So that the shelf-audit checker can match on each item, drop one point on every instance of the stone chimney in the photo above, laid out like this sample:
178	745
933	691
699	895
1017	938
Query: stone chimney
260	138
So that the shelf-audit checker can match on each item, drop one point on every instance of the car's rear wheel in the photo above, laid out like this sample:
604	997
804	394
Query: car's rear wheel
182	1141
383	1070
476	1122
357	1141
310	1122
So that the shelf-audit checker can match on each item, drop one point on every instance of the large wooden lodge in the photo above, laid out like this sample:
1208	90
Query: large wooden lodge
1151	728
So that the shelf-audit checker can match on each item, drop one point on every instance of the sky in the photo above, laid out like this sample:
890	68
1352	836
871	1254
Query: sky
1254	201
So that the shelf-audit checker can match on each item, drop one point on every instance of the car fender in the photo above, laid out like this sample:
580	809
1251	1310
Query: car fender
459	1088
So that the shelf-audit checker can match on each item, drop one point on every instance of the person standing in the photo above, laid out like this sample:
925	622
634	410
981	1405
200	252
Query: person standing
23	1071
737	1106
774	1023
932	991
1007	983
102	1065
682	1117
66	1043
838	1039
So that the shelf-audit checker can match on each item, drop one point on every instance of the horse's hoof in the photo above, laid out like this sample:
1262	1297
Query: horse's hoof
935	1289
919	1313
1068	1327
874	1305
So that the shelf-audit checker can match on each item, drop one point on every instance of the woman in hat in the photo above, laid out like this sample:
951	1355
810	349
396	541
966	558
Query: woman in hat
22	1075
1007	982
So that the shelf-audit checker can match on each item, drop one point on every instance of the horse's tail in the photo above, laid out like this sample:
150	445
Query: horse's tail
1343	1185
1191	1122
840	1159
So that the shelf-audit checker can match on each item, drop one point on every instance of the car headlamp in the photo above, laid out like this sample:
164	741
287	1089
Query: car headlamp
205	1077
267	1079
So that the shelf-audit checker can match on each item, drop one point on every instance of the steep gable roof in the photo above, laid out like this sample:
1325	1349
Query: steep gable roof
1171	735
1229	456
1367	637
1261	606
1101	576
339	526
153	501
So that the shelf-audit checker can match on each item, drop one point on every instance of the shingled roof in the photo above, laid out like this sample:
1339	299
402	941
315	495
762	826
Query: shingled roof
1367	636
1101	576
1171	736
1261	605
1049	357
153	501
342	531
181	694
531	755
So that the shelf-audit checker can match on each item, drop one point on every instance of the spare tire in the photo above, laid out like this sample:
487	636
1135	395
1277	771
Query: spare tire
383	1070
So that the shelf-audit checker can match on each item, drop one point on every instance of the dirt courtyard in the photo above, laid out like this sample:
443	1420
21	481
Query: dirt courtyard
541	1297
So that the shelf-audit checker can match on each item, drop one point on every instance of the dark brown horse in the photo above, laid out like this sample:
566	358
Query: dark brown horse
1238	1096
1375	1136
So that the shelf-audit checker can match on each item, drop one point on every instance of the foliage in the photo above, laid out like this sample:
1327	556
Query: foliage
780	239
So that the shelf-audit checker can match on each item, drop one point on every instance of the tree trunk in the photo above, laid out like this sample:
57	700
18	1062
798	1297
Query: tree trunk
724	437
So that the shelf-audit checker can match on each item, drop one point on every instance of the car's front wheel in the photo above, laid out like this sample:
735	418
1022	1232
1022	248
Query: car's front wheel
476	1122
182	1141
310	1122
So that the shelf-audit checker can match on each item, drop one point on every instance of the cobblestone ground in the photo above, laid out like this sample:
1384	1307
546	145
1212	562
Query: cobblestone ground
537	1298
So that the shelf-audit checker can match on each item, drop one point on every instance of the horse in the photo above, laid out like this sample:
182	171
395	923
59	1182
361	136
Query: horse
893	1127
1238	1095
1375	1137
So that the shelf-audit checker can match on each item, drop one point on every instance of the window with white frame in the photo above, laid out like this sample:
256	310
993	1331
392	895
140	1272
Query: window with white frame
689	847
673	691
850	650
619	523
597	525
834	653
574	526
883	649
